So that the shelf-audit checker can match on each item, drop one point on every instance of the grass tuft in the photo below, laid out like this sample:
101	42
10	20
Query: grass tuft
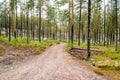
21	44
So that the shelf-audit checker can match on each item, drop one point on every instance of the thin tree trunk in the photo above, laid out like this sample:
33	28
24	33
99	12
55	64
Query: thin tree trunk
33	25
17	30
69	25
89	21
56	31
60	33
50	29
14	19
99	38
79	23
72	28
24	26
40	21
107	38
104	23
21	28
43	29
6	27
116	47
0	27
27	22
119	36
9	23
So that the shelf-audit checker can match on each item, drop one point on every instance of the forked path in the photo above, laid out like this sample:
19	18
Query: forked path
53	64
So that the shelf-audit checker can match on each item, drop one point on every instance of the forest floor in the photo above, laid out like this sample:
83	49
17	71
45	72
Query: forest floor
53	64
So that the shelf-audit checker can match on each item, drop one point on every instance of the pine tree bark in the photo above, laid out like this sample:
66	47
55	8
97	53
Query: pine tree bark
89	21
104	23
79	23
21	28
15	19
72	27
116	47
9	23
69	25
40	20
27	22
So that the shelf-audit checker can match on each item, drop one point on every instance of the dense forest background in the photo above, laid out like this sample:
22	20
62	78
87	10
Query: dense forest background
62	20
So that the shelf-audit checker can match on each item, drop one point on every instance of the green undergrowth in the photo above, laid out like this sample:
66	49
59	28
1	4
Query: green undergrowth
107	51
68	47
107	63
21	44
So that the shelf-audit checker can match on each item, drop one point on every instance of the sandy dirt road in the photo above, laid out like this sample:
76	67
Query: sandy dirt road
53	64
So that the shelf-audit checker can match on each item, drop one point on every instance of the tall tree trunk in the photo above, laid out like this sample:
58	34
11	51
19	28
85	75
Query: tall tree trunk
31	25
6	22
119	36
40	20
24	25
43	30
60	33
15	19
116	47
0	27
21	28
17	30
99	37
89	21
79	23
9	23
27	21
69	25
72	28
107	38
56	30
104	23
50	29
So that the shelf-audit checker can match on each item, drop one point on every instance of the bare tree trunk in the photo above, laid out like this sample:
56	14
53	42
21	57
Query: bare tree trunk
0	27
40	20
24	25
15	19
69	25
79	23
56	30
9	23
27	22
89	21
17	31
43	30
116	47
33	26
72	28
104	22
6	27
21	28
